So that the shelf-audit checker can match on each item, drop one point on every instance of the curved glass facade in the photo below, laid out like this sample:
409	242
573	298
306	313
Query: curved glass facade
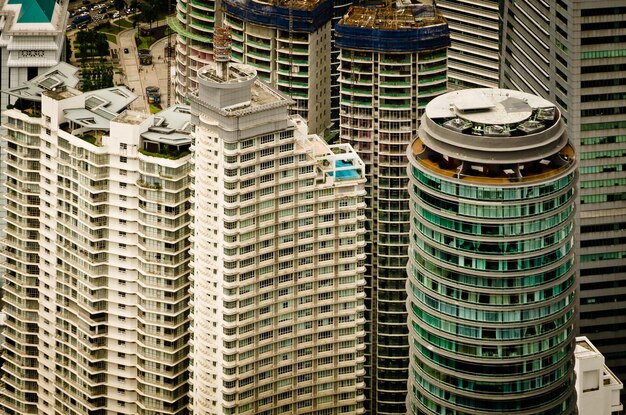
491	276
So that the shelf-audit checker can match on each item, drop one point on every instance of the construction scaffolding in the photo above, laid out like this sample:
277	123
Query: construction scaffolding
405	27
304	16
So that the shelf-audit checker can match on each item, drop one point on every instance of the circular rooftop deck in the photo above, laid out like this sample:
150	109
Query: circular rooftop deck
493	126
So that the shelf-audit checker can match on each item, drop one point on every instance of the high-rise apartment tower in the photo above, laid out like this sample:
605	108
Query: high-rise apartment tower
473	57
278	256
491	273
96	255
288	43
392	62
573	53
32	39
194	23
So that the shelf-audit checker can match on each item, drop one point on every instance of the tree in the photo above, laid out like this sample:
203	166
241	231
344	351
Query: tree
149	13
68	50
120	5
97	77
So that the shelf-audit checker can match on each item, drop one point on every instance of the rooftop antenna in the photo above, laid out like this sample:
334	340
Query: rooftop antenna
221	50
168	55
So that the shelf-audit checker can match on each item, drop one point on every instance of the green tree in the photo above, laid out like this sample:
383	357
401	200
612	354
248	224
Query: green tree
149	13
68	50
97	77
102	45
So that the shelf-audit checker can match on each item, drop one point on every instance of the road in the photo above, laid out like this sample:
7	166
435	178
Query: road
137	77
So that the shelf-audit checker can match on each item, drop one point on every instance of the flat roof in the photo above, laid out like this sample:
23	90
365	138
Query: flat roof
488	106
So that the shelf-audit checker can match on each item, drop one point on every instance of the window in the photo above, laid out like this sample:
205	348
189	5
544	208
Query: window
123	159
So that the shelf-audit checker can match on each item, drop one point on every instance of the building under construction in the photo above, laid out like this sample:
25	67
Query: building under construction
393	61
194	24
288	42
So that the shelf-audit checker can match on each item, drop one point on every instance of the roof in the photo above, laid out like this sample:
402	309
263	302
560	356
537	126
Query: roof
35	11
171	126
87	118
58	76
486	106
101	106
405	16
115	98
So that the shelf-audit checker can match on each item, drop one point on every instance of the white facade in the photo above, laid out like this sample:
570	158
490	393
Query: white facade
96	293
597	387
278	257
32	38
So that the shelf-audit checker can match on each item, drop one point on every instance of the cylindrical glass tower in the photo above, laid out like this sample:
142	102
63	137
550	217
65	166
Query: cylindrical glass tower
492	279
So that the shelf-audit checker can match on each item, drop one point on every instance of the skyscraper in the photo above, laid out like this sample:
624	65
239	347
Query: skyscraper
492	276
473	57
573	53
96	293
194	24
392	62
32	39
278	256
288	43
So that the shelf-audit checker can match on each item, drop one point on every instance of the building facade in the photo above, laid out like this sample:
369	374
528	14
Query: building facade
573	53
473	58
96	255
278	256
194	24
491	272
391	64
32	39
289	45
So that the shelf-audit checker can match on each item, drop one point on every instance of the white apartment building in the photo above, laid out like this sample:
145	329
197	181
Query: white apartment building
598	389
278	256
96	256
32	39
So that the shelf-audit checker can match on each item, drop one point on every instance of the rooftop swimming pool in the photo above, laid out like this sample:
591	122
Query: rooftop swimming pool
346	173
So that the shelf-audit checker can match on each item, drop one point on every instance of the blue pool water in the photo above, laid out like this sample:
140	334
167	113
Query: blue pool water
347	174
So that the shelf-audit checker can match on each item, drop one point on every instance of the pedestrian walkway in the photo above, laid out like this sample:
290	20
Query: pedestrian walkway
136	76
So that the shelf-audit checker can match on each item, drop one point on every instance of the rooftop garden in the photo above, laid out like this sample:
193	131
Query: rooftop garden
30	108
92	137
167	151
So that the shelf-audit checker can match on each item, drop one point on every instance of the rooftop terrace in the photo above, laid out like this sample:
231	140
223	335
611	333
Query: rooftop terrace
493	136
510	173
